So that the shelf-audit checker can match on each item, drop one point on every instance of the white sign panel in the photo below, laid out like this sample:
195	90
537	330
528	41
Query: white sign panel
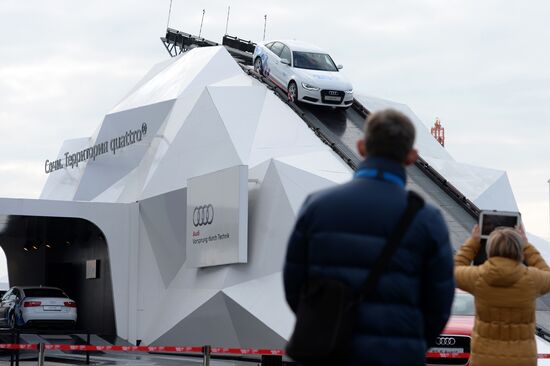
217	217
91	269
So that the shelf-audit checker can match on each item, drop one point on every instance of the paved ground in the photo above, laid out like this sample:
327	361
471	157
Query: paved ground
2	363
33	363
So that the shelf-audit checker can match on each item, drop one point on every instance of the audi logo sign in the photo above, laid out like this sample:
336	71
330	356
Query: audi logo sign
216	218
333	92
203	215
445	341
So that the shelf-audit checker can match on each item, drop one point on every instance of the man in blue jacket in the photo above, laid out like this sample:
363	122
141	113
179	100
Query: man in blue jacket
340	232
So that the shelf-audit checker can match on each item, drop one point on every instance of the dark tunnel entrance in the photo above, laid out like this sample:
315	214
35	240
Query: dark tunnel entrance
62	252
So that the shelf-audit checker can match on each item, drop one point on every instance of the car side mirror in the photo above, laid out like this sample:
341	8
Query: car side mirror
340	67
285	61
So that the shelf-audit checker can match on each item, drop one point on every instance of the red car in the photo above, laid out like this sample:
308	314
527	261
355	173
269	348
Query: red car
456	336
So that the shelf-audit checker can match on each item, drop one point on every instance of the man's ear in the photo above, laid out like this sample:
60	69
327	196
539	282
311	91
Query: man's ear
412	157
361	148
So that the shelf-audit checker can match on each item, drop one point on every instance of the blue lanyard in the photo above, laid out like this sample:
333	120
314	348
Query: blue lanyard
379	174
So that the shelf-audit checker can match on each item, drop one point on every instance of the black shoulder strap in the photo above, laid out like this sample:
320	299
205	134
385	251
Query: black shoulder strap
414	204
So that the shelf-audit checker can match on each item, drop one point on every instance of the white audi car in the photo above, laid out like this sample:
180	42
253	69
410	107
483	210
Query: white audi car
306	72
30	306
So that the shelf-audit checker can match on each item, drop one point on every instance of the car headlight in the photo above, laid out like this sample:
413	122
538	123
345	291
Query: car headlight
349	91
310	87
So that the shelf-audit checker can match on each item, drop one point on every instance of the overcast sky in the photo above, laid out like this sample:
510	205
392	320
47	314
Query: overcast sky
481	66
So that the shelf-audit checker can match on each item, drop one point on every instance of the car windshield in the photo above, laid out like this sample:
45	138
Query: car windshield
44	292
313	61
463	304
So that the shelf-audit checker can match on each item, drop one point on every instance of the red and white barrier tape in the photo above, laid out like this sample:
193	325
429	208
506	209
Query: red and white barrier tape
18	346
174	349
187	349
248	351
65	347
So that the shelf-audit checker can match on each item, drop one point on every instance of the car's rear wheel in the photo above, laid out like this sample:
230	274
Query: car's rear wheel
11	321
292	92
258	65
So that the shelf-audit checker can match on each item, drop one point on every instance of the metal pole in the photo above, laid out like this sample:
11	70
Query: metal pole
18	341
265	25
41	354
202	20
169	12
87	351
227	21
206	355
12	353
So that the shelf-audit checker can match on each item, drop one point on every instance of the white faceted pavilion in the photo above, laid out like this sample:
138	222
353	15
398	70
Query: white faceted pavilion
204	114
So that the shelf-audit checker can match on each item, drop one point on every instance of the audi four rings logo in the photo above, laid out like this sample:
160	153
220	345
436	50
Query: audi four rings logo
332	92
445	341
203	215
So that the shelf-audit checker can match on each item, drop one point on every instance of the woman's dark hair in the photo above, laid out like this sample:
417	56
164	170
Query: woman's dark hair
389	134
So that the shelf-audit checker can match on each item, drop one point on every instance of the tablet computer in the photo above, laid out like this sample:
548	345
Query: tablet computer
490	220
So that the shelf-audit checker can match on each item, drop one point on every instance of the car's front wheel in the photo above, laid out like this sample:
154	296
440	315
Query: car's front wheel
258	65
292	92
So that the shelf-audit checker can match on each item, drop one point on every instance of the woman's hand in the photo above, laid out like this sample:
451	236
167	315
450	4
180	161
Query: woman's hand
476	233
468	251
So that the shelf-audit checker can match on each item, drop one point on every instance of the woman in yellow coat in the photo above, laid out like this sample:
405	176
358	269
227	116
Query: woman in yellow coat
505	291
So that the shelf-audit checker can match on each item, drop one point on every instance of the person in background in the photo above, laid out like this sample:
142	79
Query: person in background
340	232
505	290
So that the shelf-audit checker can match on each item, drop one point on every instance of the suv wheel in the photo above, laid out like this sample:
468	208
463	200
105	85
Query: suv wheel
292	92
11	321
258	65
